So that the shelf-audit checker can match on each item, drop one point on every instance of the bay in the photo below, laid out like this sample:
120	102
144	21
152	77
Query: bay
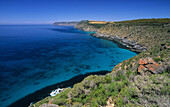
36	56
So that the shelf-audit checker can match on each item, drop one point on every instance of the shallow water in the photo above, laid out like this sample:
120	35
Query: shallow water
36	56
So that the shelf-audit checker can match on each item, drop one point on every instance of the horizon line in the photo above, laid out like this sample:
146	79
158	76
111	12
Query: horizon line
77	21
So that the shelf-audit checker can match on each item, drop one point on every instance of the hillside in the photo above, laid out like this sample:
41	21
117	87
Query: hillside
138	35
143	80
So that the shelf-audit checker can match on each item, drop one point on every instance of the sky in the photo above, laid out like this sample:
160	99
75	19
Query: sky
49	11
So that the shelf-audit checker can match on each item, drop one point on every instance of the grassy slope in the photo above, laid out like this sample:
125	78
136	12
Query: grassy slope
125	86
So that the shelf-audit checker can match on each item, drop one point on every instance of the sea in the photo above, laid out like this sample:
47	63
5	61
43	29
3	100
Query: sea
36	56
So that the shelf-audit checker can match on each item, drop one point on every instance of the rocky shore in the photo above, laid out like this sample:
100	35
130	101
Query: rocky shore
130	45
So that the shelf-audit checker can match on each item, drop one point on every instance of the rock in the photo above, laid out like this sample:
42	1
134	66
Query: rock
110	102
111	105
142	61
133	64
148	64
141	68
147	54
153	68
48	105
125	67
50	102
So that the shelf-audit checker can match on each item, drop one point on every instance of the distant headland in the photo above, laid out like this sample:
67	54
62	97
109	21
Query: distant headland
72	23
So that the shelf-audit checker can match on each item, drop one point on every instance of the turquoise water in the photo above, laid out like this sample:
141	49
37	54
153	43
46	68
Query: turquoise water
36	56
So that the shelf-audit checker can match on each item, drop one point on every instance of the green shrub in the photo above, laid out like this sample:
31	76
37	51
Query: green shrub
77	104
157	59
108	79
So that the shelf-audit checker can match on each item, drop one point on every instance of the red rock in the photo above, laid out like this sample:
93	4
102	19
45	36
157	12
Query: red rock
50	102
156	64
148	64
153	67
142	61
141	68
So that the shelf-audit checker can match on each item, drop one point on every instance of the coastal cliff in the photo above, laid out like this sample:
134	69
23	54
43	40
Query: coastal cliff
143	80
138	35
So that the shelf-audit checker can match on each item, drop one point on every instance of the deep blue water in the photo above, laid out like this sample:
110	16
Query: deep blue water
36	56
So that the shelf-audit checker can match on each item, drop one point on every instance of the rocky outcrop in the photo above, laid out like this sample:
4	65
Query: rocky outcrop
149	65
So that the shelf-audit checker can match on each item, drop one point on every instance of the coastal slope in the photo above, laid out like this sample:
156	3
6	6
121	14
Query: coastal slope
143	80
138	35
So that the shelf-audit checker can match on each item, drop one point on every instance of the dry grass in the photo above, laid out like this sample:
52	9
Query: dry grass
99	22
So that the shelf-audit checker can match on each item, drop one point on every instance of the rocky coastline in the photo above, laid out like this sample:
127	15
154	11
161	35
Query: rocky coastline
142	80
129	45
